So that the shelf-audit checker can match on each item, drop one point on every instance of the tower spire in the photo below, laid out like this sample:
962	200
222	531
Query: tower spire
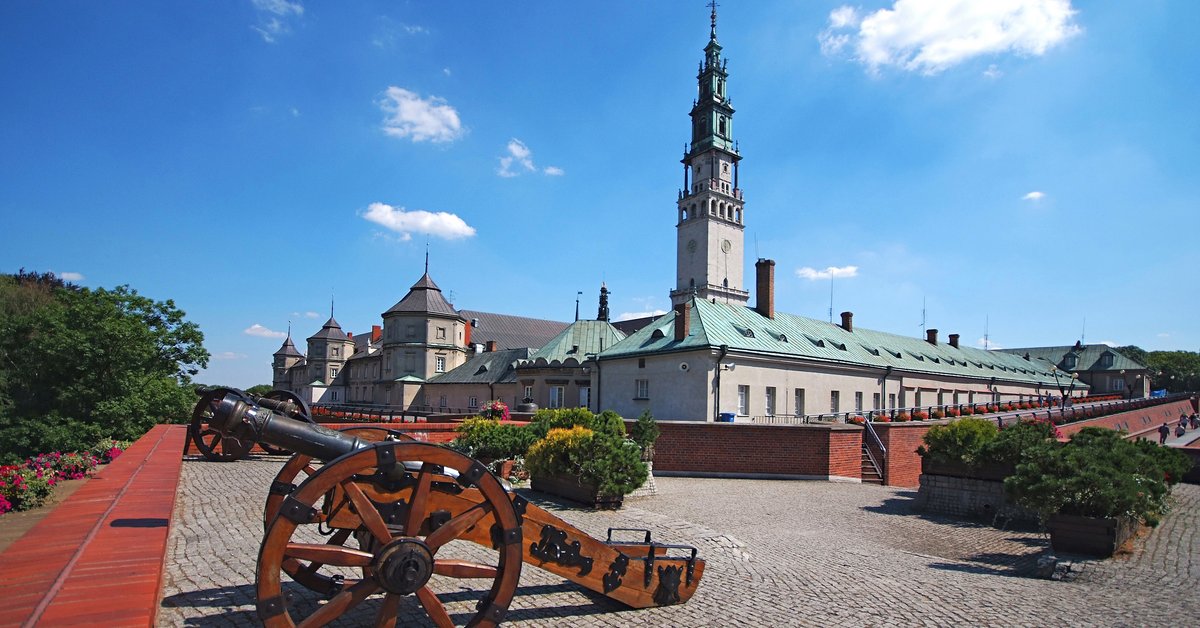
713	4
427	258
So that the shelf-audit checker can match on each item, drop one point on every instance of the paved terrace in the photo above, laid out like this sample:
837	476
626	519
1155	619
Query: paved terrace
778	552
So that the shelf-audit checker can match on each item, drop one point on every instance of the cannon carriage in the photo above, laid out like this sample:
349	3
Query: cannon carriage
375	522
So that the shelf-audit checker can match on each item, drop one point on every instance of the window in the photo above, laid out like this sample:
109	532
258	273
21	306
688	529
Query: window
892	401
834	401
1116	384
440	364
333	371
441	333
643	389
770	401
334	395
442	401
472	402
858	401
1069	361
585	396
528	393
334	351
410	363
743	395
641	363
556	396
410	331
799	402
917	398
875	401
1106	360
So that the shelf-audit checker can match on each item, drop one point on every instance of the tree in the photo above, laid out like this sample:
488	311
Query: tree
260	389
77	365
1176	371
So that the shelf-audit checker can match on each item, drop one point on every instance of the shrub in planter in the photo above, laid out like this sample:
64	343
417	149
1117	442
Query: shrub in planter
489	439
1098	473
959	442
545	420
901	417
609	464
858	420
883	418
495	409
645	432
1010	445
953	412
920	415
967	411
937	414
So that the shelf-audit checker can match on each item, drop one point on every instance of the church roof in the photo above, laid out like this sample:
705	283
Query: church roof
424	297
330	331
1087	357
288	349
788	336
491	367
511	332
576	341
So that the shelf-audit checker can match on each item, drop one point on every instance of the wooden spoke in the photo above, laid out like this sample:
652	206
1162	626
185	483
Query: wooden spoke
463	569
386	617
434	607
340	603
367	512
309	470
453	528
416	504
329	555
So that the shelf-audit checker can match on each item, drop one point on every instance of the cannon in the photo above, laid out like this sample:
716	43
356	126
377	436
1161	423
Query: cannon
218	447
383	527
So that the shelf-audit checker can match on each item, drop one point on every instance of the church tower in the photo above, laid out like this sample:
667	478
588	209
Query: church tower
710	232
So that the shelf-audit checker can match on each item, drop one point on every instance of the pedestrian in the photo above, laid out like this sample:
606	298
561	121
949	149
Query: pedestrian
1195	421
1183	421
1163	433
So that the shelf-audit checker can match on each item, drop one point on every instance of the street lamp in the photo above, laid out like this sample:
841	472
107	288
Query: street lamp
1125	385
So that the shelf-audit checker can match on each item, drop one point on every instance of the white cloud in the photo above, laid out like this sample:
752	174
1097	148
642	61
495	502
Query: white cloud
988	344
831	272
263	332
406	223
388	33
295	112
628	316
229	355
306	314
421	119
71	276
446	71
993	72
1111	343
274	16
1164	335
520	159
929	36
1034	196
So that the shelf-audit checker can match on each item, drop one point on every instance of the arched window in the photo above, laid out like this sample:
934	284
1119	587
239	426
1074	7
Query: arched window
683	214
739	215
722	124
712	207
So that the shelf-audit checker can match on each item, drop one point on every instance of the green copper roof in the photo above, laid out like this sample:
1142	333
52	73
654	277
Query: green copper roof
491	367
576	341
788	336
1087	357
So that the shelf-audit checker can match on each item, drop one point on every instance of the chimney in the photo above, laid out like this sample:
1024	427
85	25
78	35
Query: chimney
848	321
954	340
682	326
349	336
765	298
376	333
491	346
467	333
931	336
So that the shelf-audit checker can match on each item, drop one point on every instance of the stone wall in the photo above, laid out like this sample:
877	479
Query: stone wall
817	452
903	465
983	500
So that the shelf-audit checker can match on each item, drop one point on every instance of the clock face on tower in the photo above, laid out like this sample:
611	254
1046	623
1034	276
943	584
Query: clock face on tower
726	245
691	246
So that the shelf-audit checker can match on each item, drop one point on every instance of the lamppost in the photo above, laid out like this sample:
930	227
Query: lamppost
1125	385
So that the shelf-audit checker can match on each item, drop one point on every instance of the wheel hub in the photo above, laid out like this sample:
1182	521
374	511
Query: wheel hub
404	566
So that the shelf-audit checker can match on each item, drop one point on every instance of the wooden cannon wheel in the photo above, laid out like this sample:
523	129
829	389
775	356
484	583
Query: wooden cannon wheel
305	573
212	445
305	415
401	557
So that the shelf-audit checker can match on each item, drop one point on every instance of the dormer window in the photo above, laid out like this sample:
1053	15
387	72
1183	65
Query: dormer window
1106	360
1070	361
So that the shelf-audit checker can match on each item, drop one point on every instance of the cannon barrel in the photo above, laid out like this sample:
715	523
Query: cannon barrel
236	414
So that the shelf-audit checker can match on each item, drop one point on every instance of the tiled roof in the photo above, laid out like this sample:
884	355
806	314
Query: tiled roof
577	340
632	325
789	336
1088	357
330	331
288	349
511	332
491	367
424	298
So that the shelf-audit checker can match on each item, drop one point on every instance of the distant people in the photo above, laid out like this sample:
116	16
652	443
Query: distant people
1195	421
1181	430
1163	433
1183	421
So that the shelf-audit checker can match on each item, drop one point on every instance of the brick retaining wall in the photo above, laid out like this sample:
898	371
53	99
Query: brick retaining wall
1135	421
746	450
967	497
903	466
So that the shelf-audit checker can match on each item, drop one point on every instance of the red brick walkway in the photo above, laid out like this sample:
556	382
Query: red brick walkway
97	558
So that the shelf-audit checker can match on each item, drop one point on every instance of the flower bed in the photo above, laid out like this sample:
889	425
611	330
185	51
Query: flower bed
28	485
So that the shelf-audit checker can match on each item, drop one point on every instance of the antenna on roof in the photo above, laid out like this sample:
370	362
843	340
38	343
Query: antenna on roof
578	293
289	329
987	321
922	315
331	303
426	256
1083	333
831	298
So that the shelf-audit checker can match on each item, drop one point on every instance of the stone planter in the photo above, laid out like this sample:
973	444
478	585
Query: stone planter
570	488
994	472
1092	536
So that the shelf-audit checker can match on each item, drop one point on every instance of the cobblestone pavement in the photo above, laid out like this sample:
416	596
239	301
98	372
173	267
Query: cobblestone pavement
777	552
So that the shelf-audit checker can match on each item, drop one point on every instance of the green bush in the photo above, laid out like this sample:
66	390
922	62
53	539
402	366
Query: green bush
1009	445
960	441
546	419
1098	473
491	439
25	488
610	463
645	431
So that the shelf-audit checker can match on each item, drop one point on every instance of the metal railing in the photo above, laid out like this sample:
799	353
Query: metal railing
874	441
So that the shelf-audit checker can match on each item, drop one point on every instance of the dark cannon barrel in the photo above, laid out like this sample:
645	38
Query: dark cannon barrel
237	414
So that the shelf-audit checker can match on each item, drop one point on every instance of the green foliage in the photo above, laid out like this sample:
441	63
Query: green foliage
1098	473
960	441
613	464
1010	444
608	422
645	430
77	365
1176	371
260	389
490	439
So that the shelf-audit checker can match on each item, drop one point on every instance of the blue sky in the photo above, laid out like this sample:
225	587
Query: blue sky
1013	167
